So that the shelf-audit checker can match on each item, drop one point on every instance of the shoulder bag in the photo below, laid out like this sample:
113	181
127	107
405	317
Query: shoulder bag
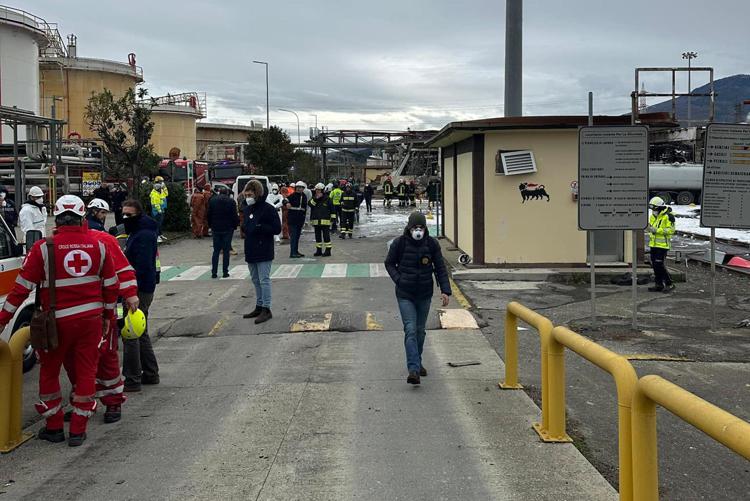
43	325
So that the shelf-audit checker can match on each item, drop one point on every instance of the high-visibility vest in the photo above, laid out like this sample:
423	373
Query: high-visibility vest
336	196
663	223
157	205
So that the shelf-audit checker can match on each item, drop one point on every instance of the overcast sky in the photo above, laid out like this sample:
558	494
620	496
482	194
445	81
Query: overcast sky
394	64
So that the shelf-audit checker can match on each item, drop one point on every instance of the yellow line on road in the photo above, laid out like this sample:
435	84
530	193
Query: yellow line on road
218	325
372	324
460	298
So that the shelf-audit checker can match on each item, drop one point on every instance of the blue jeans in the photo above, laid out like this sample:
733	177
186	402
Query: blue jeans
260	273
414	316
222	243
294	233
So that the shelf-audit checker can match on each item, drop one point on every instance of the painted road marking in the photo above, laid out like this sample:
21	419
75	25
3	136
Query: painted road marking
311	271
358	270
337	270
371	324
378	270
287	271
239	272
193	273
319	325
457	319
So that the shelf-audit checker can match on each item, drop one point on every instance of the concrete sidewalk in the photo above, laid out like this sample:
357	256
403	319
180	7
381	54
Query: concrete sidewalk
313	416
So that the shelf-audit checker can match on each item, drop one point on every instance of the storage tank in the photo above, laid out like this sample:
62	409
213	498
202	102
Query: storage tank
69	80
680	183
21	36
174	118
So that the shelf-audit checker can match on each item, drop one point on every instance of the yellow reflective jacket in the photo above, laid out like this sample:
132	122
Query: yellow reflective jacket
336	195
663	225
157	205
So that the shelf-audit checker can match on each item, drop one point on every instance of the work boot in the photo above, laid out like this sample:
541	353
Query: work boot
656	288
264	316
150	379
351	236
253	313
113	414
343	235
422	371
669	288
76	439
54	436
132	388
413	378
67	416
318	252
327	253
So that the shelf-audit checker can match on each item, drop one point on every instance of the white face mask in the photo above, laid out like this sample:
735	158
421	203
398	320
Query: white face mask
275	192
417	234
250	200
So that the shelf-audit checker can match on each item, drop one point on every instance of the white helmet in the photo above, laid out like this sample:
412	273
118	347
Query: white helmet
300	184
656	202
329	187
70	203
99	204
320	186
35	192
274	186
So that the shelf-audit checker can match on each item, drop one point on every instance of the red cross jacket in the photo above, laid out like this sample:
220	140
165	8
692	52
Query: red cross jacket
86	282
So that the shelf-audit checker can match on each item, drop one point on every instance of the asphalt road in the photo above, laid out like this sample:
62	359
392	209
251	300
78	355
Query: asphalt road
311	405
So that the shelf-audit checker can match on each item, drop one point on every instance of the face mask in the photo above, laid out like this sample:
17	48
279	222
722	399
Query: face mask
275	192
131	223
38	201
250	200
417	234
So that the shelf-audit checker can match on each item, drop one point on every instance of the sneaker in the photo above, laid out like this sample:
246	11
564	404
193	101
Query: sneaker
113	414
132	388
214	275
264	316
159	239
656	288
253	313
76	439
669	288
150	379
54	436
413	378
422	371
225	275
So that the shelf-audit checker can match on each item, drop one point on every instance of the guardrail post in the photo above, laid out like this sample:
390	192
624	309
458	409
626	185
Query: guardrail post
511	352
5	387
15	435
645	456
555	431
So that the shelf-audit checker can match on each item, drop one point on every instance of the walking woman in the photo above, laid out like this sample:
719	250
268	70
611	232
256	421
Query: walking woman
260	225
412	260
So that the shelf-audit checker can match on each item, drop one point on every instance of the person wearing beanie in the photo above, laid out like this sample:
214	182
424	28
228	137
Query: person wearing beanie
413	259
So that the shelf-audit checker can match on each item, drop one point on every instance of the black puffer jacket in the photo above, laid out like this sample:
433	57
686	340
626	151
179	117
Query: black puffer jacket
411	264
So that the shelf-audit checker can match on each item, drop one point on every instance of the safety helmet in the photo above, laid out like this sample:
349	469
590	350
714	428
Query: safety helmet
98	204
320	186
274	186
70	203
135	325
656	202
329	187
300	184
158	179
35	192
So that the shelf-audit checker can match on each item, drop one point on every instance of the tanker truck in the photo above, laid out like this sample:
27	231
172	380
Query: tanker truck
678	183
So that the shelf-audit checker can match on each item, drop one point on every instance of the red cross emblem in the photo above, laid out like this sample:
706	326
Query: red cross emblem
77	263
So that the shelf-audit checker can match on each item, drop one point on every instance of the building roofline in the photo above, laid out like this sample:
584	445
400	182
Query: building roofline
210	125
92	64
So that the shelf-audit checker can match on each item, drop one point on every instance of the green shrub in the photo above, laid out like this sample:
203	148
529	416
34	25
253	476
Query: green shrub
177	217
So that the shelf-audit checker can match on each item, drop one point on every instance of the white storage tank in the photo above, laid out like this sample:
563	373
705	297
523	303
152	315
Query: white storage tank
21	35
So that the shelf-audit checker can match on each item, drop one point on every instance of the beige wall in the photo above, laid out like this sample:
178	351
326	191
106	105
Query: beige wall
372	173
76	87
536	231
465	207
450	230
174	129
206	136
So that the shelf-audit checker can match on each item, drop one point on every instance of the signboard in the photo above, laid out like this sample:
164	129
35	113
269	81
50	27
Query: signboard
726	177
613	178
90	181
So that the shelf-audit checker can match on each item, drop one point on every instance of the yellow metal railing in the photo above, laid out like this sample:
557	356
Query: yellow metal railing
11	391
625	380
711	420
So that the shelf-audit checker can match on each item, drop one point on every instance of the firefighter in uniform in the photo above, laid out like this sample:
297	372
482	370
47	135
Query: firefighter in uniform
321	215
86	290
335	197
660	229
401	191
411	192
387	192
348	207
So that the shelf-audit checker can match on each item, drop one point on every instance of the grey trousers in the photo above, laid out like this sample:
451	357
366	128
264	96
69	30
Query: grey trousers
138	357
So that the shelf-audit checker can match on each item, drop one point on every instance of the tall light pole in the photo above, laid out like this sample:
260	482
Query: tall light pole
689	56
293	113
268	114
513	58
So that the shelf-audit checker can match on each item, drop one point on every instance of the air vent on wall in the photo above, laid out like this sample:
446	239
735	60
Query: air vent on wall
511	163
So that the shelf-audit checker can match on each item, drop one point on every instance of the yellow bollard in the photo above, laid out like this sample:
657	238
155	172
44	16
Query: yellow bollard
511	353
13	416
6	364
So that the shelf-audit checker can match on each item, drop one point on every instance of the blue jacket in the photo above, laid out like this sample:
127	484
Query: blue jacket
222	214
260	223
94	223
140	250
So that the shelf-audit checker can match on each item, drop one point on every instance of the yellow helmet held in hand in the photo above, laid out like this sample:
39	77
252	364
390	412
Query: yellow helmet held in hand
135	325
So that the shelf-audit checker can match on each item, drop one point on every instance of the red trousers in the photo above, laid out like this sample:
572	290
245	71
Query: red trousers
79	343
284	224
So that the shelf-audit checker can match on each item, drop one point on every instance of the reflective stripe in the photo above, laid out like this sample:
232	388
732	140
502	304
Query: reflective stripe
44	259
102	256
22	281
127	268
74	310
131	283
110	306
110	281
115	391
9	307
81	412
297	208
50	412
68	282
109	382
82	399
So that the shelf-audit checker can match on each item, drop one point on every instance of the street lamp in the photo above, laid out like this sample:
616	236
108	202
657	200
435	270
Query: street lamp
689	56
268	119
293	113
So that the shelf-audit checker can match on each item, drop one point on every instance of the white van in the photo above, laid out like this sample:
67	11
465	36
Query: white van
241	181
11	259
